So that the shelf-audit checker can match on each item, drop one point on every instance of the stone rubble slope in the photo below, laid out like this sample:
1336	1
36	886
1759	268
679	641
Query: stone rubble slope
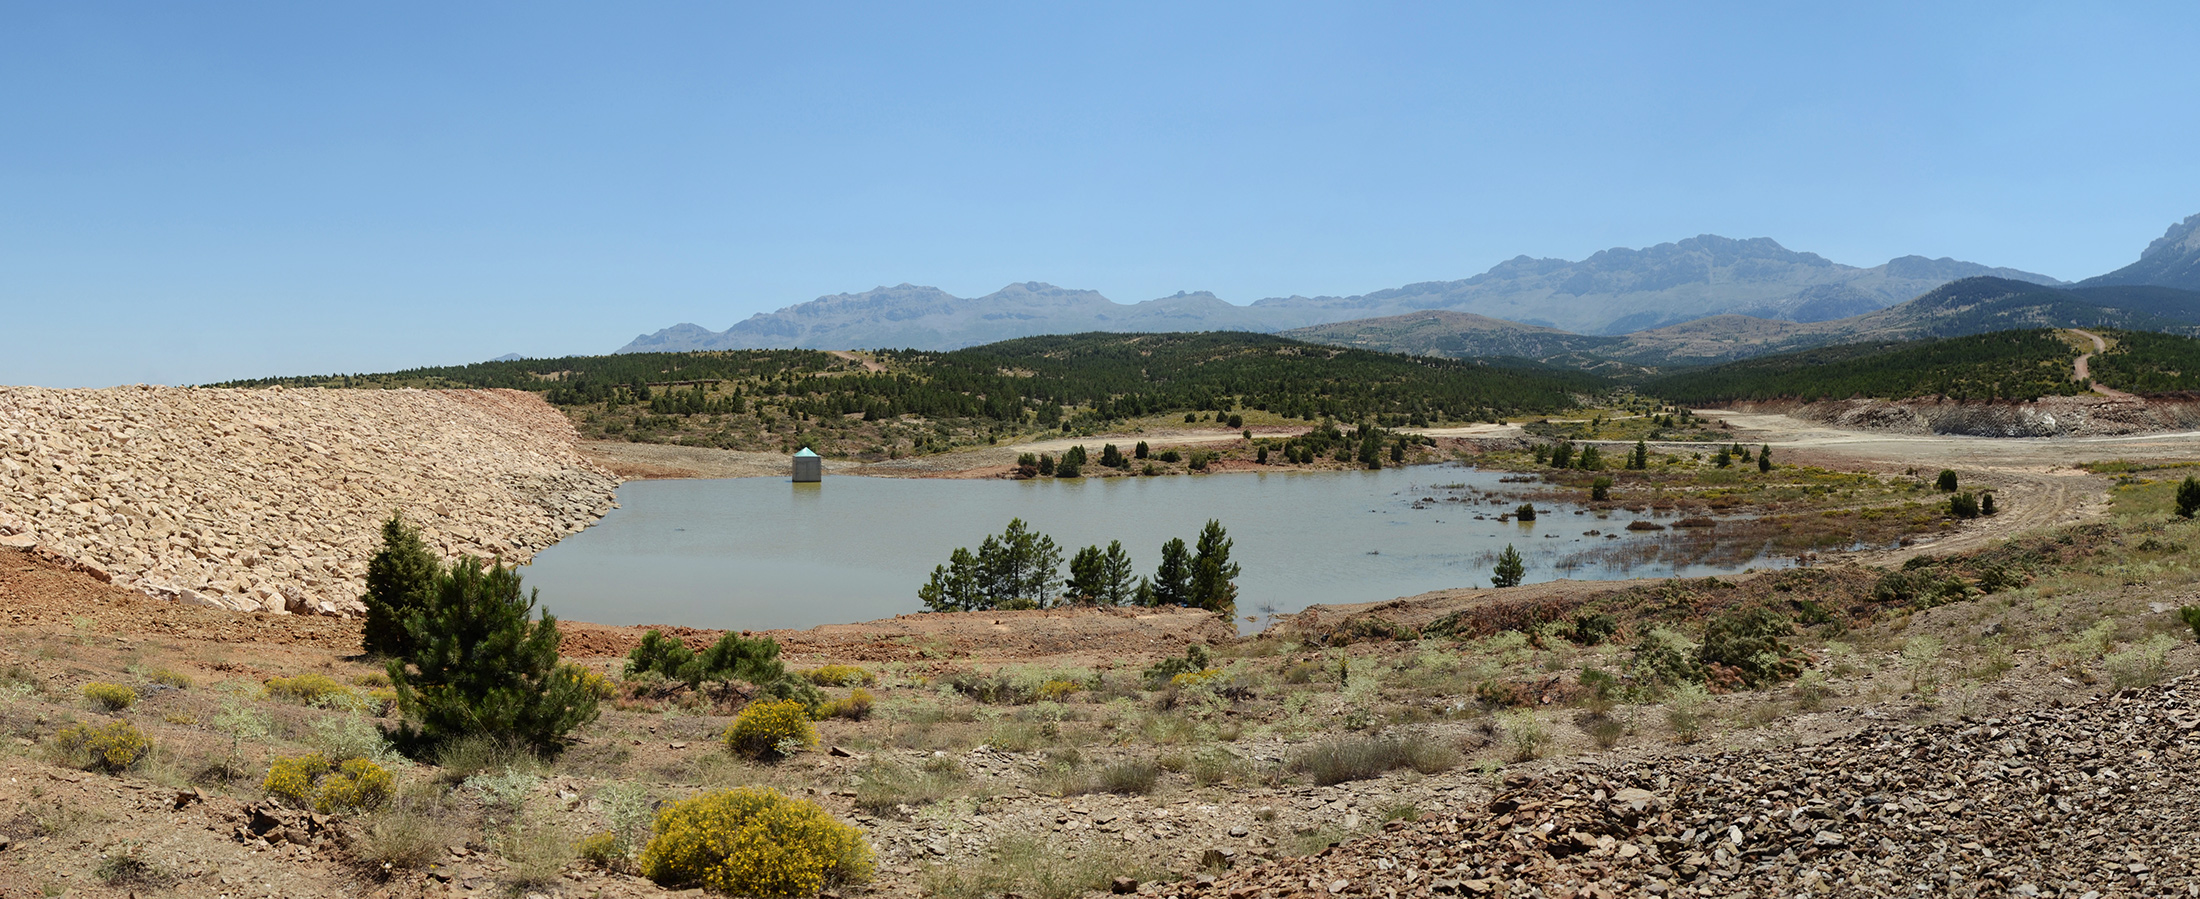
272	500
2087	802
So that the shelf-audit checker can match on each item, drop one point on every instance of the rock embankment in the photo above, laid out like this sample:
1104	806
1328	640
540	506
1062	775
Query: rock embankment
2086	802
2054	416
271	500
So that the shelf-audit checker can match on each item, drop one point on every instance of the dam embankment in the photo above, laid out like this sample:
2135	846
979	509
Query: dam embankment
271	500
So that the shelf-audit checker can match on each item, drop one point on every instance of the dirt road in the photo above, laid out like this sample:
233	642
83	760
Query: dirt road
2036	481
2085	373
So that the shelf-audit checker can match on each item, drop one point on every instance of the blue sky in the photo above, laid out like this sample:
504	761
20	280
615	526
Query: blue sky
196	192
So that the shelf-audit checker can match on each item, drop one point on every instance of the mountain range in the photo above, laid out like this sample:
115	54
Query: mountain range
1706	298
1958	308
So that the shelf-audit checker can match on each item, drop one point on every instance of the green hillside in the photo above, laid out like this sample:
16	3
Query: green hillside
2004	365
2146	363
908	401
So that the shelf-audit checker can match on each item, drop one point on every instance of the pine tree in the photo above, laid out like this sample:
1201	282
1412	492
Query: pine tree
1764	458
1509	568
955	586
1213	584
1083	586
481	663
1115	575
1172	581
1640	461
398	580
1562	455
1017	570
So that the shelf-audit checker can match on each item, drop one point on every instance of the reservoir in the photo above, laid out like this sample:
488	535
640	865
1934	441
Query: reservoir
759	553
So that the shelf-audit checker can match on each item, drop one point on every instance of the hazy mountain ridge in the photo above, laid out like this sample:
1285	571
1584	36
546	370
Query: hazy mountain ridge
1613	291
2172	260
1964	307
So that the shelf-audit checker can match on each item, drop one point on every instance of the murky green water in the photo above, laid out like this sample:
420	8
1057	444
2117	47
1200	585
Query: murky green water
766	553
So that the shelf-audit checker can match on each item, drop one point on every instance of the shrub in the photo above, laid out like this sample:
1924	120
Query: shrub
990	689
111	747
660	654
754	842
381	701
1946	483
357	785
1604	730
2190	615
841	676
766	730
1527	734
1664	658
2140	664
291	779
1963	505
1195	658
591	682
318	690
1128	777
603	849
110	697
344	737
1057	690
1526	512
130	868
2188	497
1194	678
168	677
412	832
481	663
854	708
1347	759
1750	641
1684	711
1592	628
1600	490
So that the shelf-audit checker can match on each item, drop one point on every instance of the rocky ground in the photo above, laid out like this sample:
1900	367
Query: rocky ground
2087	801
2092	415
270	500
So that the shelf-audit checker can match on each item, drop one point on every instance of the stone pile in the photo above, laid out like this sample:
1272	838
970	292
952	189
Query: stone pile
271	500
2089	802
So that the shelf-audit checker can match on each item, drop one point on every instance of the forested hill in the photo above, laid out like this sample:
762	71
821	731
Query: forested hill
889	400
2005	365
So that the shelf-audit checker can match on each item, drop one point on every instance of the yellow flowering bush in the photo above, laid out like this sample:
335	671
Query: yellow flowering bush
114	746
1058	690
594	683
601	849
309	781
763	729
110	697
357	786
1195	678
169	677
754	842
291	779
312	689
854	708
841	676
382	701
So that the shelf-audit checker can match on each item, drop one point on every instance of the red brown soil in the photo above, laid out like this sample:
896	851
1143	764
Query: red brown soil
39	592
